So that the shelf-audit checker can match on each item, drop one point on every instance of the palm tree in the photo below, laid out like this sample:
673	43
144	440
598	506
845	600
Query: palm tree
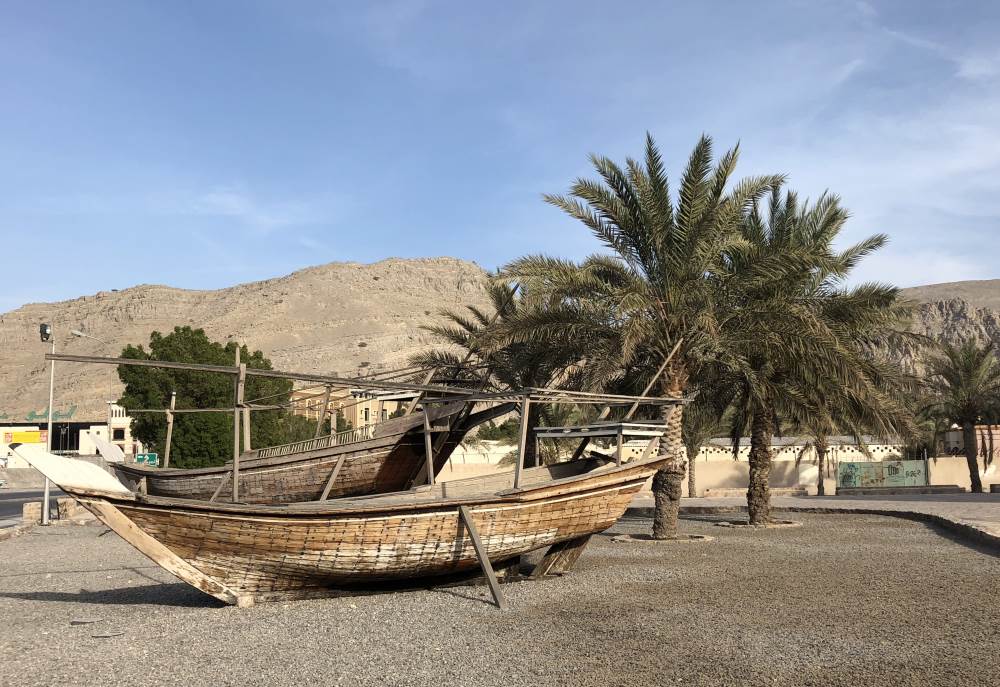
655	292
702	421
965	381
517	365
804	347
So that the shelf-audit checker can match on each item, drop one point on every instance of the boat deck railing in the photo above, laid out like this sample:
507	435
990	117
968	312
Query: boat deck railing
350	436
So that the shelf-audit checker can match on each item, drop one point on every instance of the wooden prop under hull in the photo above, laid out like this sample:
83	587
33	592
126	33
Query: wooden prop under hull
386	462
241	554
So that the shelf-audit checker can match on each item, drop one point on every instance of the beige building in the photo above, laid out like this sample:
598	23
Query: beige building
358	407
117	430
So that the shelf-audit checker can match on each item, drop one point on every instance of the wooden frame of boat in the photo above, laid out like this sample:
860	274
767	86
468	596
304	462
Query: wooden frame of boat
241	554
387	456
378	458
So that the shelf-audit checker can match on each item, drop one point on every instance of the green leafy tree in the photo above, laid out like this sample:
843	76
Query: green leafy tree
203	439
965	382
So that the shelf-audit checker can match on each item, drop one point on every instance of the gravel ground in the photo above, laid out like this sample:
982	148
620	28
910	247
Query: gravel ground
843	600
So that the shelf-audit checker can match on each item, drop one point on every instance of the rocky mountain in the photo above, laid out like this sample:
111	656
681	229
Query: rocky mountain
340	318
953	312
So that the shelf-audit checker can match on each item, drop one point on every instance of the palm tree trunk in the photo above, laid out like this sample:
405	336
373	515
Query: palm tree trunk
758	491
821	461
969	439
668	479
692	481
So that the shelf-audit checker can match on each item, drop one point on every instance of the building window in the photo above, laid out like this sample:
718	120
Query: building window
366	415
118	435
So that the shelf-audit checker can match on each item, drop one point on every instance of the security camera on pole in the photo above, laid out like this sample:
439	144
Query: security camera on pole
45	332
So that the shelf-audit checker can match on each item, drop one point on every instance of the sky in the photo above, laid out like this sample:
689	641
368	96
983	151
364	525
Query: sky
204	144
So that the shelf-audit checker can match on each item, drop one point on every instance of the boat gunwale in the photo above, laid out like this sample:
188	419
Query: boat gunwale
347	506
350	505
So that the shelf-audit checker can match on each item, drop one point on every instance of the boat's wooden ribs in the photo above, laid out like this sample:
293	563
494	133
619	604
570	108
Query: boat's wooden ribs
259	555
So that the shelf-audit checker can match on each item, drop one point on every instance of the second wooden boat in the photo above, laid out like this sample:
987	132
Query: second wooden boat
378	458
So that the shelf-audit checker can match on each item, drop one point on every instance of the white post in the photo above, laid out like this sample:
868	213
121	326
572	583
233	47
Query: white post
48	437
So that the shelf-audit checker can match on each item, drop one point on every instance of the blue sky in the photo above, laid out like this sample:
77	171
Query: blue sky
202	144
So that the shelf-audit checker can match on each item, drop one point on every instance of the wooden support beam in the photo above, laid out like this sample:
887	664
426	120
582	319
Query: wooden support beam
240	388
322	414
606	411
561	557
222	483
343	382
484	560
170	429
619	447
333	478
428	448
522	442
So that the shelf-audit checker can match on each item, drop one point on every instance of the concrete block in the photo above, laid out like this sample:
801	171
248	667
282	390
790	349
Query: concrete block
69	509
31	512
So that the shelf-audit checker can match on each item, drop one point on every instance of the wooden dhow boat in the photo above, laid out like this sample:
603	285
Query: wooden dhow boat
388	456
377	458
243	553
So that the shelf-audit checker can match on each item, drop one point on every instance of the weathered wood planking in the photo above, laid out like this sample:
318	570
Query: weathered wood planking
258	552
383	463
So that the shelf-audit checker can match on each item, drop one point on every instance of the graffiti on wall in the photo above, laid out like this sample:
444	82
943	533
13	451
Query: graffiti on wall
887	473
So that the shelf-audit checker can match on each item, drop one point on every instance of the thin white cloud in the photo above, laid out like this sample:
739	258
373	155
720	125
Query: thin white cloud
844	73
245	208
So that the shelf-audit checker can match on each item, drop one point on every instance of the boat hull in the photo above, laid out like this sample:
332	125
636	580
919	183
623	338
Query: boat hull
386	462
244	557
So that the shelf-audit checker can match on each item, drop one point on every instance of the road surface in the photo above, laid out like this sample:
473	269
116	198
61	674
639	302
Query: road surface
11	501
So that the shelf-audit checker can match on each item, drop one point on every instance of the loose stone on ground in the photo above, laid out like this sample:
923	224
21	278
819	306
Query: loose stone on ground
842	600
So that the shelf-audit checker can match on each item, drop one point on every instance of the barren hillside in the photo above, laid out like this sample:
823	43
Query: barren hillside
335	318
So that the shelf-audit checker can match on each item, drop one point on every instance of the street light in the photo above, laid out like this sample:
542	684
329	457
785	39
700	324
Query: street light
111	372
45	333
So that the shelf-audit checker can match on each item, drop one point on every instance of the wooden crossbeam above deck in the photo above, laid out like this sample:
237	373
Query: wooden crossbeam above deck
257	372
601	429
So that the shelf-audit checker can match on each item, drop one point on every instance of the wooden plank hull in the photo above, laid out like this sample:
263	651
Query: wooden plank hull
246	554
385	463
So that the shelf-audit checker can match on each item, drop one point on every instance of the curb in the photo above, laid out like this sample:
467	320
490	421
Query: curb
972	533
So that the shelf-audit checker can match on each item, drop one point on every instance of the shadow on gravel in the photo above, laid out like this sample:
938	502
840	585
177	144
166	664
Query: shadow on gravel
951	536
177	595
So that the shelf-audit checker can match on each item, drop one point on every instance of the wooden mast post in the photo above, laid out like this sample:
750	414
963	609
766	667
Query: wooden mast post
170	429
484	560
618	449
322	414
428	447
240	387
523	441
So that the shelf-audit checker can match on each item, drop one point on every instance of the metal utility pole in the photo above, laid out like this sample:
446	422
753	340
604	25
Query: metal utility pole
48	431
